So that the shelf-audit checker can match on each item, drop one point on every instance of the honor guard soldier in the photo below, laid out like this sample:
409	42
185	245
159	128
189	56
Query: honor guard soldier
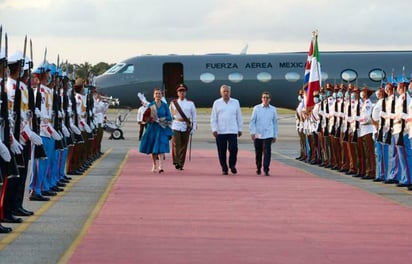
350	112
409	126
40	184
300	118
381	149
99	110
331	95
314	121
184	125
27	136
400	134
390	112
366	131
321	133
4	151
347	112
80	97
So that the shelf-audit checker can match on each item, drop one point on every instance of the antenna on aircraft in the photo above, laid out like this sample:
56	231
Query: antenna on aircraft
244	50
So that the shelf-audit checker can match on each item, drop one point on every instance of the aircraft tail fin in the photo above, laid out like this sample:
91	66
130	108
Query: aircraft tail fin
244	50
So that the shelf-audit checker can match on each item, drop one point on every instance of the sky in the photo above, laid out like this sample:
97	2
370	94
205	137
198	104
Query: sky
110	31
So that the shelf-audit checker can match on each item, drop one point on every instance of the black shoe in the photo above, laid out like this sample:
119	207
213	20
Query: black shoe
161	171
258	171
61	184
402	185
367	178
358	175
391	181
233	170
48	193
75	172
38	197
410	188
56	189
377	180
4	229
64	180
12	219
224	173
267	173
67	178
22	212
298	158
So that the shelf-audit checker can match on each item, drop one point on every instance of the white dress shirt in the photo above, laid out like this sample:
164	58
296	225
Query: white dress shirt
264	122
226	117
189	109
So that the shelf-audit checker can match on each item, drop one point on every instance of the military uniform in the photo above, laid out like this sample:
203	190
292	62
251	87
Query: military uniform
182	129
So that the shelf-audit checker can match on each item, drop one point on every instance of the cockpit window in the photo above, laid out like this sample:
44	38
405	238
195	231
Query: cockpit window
128	69
121	68
115	68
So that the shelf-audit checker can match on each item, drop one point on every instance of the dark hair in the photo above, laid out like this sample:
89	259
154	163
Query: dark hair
266	93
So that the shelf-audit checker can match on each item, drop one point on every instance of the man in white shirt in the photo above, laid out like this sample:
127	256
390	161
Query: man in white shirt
227	124
263	131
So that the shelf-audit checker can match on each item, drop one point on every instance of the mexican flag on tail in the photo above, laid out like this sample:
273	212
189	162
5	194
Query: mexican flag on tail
314	83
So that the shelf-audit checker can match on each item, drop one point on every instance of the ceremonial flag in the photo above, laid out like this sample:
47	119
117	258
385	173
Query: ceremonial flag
307	67
314	75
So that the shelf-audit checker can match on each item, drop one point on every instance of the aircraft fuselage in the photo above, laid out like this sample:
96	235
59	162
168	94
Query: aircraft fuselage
281	74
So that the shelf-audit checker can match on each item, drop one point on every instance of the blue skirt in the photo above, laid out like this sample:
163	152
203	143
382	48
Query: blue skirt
155	139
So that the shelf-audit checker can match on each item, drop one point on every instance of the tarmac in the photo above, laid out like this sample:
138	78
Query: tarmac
118	211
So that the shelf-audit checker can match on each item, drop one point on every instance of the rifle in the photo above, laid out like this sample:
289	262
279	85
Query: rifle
10	169
389	136
355	133
346	136
380	133
78	137
89	108
17	107
65	105
58	144
326	133
39	152
404	110
319	128
333	132
338	129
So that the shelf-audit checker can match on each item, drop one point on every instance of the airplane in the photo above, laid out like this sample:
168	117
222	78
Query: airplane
281	74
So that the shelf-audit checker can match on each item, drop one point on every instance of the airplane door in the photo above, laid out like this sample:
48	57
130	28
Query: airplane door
172	76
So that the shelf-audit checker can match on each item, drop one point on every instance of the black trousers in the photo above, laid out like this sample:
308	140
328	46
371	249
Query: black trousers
21	181
263	147
223	141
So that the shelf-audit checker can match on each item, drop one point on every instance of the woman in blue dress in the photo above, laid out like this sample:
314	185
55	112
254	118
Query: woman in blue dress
155	140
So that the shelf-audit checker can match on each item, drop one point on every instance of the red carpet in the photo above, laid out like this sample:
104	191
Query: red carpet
200	216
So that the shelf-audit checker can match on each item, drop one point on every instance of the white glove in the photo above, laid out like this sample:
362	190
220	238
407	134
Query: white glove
404	116
26	133
55	135
75	129
15	146
37	112
65	131
4	152
85	126
36	139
